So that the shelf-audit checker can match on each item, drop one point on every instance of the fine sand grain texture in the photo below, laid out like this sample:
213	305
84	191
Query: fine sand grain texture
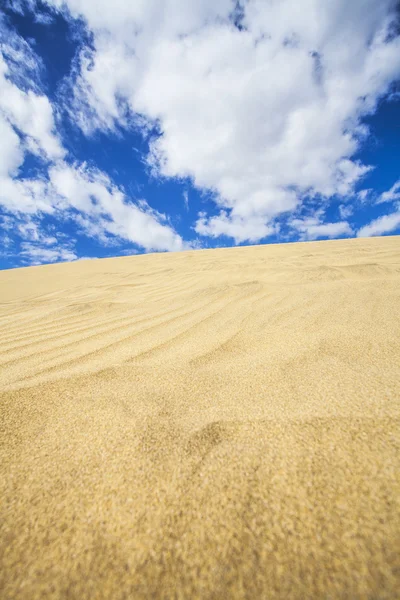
213	424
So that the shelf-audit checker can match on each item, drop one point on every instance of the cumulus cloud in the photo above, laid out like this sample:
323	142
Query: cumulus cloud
258	102
263	105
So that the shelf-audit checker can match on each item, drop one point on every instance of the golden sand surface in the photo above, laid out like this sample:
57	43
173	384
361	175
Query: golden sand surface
211	424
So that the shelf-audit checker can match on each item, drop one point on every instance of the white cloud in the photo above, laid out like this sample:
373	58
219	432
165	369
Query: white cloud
26	196
384	224
7	222
27	125
11	153
186	199
34	242
345	211
98	207
29	113
104	209
5	241
362	195
36	255
23	64
263	116
241	229
32	231
312	228
391	195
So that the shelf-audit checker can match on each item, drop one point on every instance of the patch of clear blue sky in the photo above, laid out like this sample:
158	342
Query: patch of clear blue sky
121	155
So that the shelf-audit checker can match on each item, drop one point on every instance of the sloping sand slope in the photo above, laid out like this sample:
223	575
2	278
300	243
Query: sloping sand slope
212	424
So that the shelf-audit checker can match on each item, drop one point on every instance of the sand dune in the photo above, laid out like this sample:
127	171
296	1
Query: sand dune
210	424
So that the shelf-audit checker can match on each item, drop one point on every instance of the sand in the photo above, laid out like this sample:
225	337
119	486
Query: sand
209	424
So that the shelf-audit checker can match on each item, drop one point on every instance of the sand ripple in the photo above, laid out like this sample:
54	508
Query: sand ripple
211	424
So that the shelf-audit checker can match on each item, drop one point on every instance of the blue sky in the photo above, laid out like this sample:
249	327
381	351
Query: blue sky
167	125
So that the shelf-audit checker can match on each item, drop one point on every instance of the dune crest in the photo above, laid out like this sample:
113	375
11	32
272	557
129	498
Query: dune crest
209	424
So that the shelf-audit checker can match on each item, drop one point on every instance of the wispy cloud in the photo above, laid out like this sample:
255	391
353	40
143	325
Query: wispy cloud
313	228
345	211
392	194
186	199
381	225
36	255
364	194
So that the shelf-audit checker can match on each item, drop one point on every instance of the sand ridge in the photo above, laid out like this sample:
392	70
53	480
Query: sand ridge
208	424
